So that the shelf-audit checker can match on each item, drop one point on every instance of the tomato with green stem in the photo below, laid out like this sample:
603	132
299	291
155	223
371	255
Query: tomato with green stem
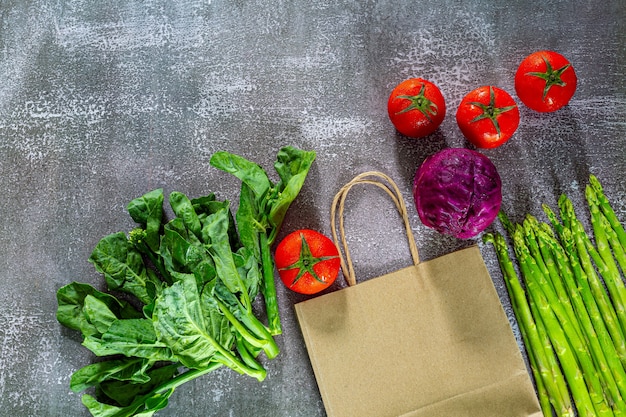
307	261
545	81
488	117
416	107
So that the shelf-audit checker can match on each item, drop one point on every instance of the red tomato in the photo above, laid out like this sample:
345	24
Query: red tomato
488	116
416	107
545	81
307	261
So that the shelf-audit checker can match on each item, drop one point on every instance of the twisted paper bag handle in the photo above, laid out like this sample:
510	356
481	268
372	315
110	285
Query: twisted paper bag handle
336	216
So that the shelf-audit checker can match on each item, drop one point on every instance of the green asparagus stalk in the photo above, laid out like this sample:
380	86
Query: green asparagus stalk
606	264
588	358
562	397
548	269
607	209
551	384
596	336
599	341
598	291
618	250
577	364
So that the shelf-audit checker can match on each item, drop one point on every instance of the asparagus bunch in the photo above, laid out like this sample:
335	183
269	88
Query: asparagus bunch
568	294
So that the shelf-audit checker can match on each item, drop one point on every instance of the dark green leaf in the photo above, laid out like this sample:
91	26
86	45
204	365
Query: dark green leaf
182	207
142	407
147	210
216	228
125	392
205	204
122	266
248	266
71	302
98	314
248	172
181	252
293	166
131	337
181	323
249	221
127	369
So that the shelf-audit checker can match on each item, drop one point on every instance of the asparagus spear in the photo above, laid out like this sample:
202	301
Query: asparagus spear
601	345
603	302
548	268
573	371
618	250
547	373
605	262
558	322
607	209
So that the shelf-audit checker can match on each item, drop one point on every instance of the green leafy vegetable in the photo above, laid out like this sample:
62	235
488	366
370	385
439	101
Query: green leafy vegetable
179	300
262	209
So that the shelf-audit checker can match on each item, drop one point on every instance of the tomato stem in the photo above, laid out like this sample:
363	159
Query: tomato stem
551	76
421	103
306	262
490	111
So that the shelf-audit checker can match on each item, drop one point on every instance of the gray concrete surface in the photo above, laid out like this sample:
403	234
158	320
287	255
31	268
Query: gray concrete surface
102	101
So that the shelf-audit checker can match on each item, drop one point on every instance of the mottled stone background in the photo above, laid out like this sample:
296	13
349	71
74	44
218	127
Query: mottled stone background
102	101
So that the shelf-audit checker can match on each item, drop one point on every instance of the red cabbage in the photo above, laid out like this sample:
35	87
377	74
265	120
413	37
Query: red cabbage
457	192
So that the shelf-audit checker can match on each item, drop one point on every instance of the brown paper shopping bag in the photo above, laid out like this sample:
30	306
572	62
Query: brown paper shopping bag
428	340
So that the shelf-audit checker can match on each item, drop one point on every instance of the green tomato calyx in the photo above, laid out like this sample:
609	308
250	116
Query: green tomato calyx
421	103
490	111
306	262
552	77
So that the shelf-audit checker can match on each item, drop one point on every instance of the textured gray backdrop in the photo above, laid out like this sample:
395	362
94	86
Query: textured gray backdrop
102	101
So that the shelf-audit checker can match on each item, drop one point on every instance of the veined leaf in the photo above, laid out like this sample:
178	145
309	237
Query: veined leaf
293	166
143	407
147	210
182	207
125	392
127	369
249	221
180	252
71	302
123	267
248	172
205	206
180	323
131	337
216	228
98	314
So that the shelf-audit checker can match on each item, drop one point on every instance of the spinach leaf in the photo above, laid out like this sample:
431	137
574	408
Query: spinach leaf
98	314
124	391
123	267
205	206
182	207
248	172
71	304
179	319
130	337
216	230
180	251
144	406
249	221
293	166
262	209
127	369
147	210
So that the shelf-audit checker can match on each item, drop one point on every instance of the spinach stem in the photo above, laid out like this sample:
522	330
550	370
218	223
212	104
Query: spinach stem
269	289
